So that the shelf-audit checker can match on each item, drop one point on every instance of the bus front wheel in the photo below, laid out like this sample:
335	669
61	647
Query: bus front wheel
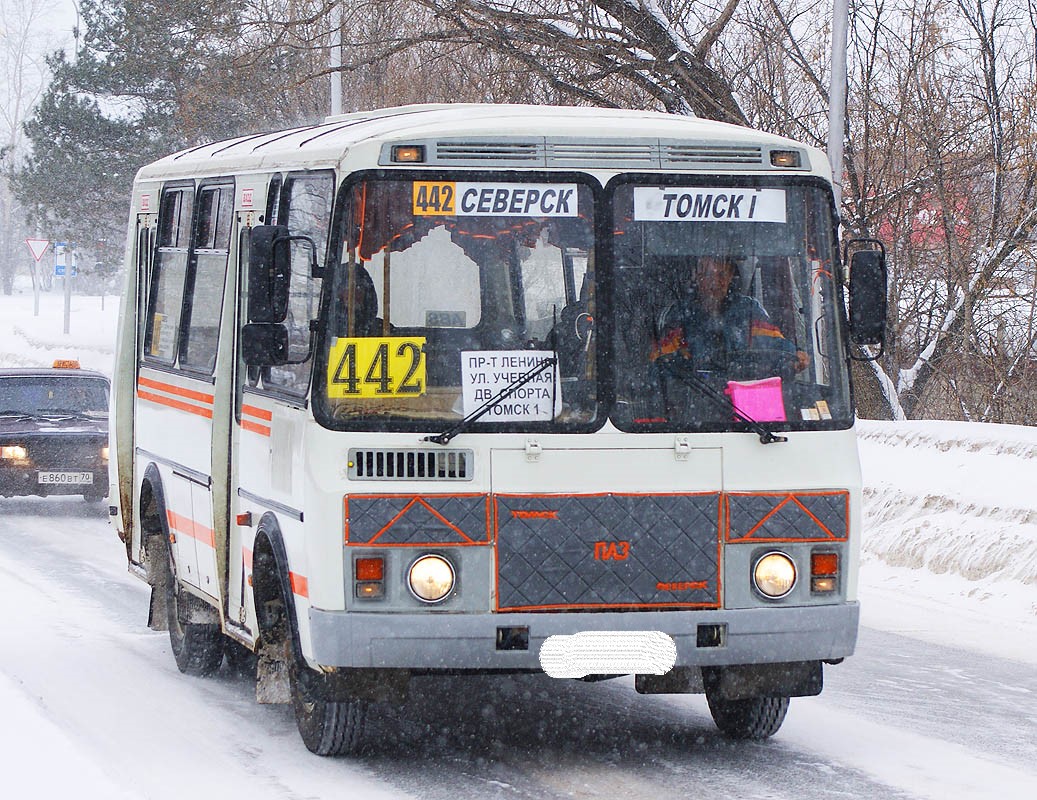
329	727
751	718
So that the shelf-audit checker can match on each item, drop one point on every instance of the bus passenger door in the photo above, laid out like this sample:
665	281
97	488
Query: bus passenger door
270	403
181	398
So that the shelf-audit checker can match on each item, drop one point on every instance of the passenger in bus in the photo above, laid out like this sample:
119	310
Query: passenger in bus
715	326
365	306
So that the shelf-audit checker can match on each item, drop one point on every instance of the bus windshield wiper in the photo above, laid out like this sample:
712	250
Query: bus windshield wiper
493	402
20	415
688	377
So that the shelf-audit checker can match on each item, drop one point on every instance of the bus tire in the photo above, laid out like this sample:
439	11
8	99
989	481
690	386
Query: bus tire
197	647
753	718
328	727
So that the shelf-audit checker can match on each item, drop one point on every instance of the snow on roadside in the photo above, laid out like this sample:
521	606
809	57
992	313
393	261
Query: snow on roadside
949	552
49	764
923	478
28	340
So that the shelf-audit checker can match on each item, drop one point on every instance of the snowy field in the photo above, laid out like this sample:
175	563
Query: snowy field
949	548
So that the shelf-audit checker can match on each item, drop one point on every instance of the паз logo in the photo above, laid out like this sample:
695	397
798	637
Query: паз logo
611	551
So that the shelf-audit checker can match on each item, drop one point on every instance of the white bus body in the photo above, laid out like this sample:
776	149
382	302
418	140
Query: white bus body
314	511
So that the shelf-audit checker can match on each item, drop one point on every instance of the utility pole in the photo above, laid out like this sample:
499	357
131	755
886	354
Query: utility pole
837	96
335	60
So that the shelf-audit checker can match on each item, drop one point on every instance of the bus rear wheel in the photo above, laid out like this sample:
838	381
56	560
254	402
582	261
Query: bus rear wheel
197	647
753	718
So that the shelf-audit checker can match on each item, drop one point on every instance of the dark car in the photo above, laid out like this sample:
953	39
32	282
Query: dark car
54	431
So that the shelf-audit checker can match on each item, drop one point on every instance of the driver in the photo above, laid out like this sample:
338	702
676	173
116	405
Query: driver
715	322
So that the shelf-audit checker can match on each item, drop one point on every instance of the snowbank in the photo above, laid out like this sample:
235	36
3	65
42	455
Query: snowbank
949	551
952	497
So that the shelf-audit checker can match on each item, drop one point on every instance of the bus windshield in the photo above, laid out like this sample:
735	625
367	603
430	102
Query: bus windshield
724	292
446	292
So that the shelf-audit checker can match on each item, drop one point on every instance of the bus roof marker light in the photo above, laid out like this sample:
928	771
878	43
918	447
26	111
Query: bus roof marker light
408	153
786	158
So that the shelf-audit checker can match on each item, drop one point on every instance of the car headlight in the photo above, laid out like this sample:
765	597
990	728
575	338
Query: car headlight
774	575
15	452
431	578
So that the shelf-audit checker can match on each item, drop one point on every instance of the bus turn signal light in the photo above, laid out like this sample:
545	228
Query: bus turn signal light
824	572
370	577
824	564
370	569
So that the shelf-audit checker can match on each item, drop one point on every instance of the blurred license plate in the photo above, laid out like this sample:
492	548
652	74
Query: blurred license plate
66	478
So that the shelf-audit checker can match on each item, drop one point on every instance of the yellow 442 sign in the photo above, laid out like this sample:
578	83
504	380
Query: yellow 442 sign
376	367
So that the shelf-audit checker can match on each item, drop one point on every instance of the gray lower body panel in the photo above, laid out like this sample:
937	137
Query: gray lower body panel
469	641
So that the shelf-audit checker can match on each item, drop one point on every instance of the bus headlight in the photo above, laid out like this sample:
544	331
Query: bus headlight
15	452
774	575
104	453
431	578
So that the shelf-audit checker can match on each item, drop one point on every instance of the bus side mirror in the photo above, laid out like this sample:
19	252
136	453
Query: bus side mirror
868	295
269	273
264	344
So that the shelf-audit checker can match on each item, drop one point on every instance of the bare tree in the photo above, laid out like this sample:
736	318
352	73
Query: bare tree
948	169
608	52
940	163
24	70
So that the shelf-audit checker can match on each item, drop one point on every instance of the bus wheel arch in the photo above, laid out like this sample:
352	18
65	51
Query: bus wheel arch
195	635
328	722
155	545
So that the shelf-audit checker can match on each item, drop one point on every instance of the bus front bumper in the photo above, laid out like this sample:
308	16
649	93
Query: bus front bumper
458	641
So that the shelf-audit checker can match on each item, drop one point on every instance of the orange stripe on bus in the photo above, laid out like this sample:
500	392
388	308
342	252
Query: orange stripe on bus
258	413
169	401
169	388
255	427
189	527
300	585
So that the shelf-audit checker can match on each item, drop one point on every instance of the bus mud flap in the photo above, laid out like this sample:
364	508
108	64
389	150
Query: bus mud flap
272	682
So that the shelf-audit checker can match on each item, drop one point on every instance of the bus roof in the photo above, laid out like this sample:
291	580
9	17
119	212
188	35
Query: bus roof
517	136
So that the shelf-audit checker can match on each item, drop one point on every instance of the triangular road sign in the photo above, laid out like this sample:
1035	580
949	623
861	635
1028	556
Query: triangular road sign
37	247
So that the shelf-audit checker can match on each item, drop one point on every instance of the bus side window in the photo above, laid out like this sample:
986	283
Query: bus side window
206	277
168	277
305	207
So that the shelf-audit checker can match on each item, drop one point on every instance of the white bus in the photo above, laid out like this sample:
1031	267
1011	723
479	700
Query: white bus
430	389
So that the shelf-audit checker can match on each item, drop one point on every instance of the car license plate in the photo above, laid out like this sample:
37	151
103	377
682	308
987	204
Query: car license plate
66	478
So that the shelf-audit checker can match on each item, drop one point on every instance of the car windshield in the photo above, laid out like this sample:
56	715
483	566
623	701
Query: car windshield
34	395
725	292
447	292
